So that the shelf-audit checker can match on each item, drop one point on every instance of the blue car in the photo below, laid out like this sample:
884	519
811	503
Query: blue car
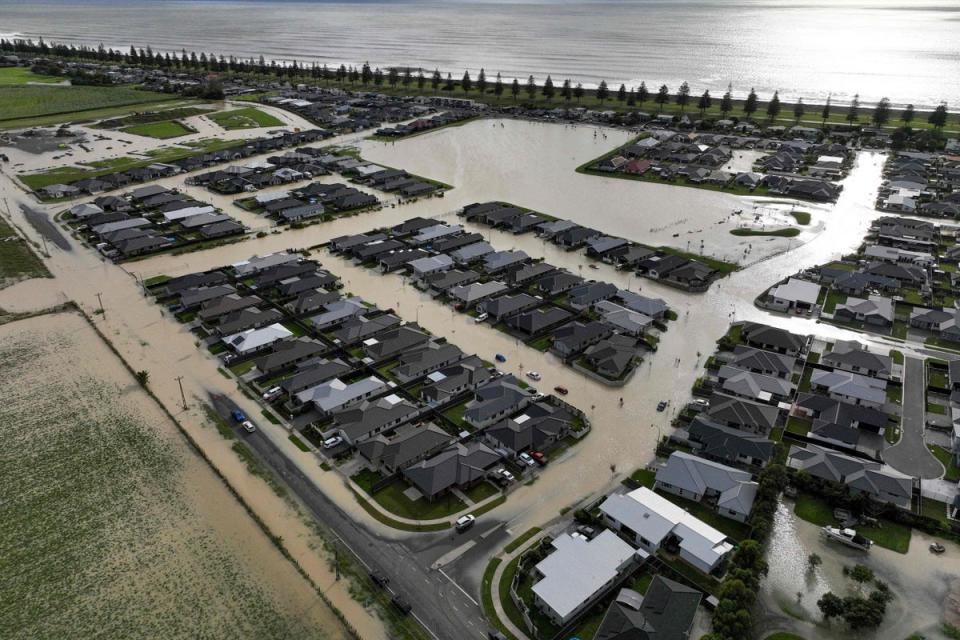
238	415
501	357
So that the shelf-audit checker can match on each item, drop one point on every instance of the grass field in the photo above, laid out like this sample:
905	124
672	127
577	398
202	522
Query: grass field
162	130
17	260
28	105
247	118
101	534
22	75
887	534
789	232
802	217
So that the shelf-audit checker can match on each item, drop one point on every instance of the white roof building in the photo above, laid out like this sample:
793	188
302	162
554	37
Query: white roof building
337	394
794	292
651	519
578	571
253	339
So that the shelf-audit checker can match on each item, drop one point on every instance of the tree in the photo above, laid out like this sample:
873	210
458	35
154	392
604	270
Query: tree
448	84
643	94
578	92
881	113
566	91
435	79
860	574
731	618
814	561
939	116
515	89
663	97
602	92
531	87
831	606
862	613
366	75
393	77
143	377
825	113
421	81
466	83
482	81
773	107
798	110
726	102
498	86
683	96
704	103
853	111
907	116
622	93
548	90
750	106
632	98
407	77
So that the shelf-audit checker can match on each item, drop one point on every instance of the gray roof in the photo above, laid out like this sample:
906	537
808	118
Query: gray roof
500	395
699	476
459	465
372	416
408	444
286	353
536	425
665	612
880	481
760	360
847	355
728	410
728	444
394	342
417	362
312	373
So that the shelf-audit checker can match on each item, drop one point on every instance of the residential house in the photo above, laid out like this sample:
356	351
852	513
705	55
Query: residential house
573	338
742	414
389	453
729	491
850	387
795	295
536	428
769	338
253	340
372	417
665	612
447	383
850	355
729	446
335	395
496	400
878	481
875	310
461	465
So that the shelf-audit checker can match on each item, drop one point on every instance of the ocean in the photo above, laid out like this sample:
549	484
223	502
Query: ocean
906	51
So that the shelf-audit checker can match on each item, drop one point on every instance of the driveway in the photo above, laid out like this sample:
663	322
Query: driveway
911	455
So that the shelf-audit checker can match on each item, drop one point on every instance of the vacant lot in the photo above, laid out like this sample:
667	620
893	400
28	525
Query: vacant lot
17	261
163	130
247	118
23	75
111	526
27	105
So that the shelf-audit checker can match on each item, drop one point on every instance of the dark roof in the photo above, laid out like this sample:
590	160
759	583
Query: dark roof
665	612
728	444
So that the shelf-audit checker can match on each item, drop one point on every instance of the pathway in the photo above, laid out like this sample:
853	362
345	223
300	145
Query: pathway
911	455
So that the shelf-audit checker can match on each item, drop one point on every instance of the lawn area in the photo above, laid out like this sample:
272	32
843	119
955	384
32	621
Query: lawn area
937	378
392	499
789	232
486	598
22	75
949	345
834	298
644	477
540	344
813	509
894	394
946	459
481	492
731	528
935	509
517	542
899	329
705	582
896	356
799	426
887	534
17	260
162	130
396	524
783	635
802	217
938	409
246	118
241	367
455	415
30	105
298	443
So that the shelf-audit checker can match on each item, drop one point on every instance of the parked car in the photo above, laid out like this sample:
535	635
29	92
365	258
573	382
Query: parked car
533	375
495	635
503	473
400	604
379	579
272	394
238	416
501	358
561	390
330	443
661	405
465	522
540	458
526	459
481	317
248	426
937	548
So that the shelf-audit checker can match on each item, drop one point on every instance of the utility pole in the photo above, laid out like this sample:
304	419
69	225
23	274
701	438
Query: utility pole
45	250
336	562
183	398
102	311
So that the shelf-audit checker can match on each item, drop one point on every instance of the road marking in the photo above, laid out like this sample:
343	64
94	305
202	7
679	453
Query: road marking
454	583
424	625
453	554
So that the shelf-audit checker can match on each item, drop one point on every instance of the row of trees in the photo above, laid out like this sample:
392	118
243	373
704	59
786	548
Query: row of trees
880	115
856	610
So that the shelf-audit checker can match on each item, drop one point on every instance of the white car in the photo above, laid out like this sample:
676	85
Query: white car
330	443
481	317
533	375
527	459
272	394
465	522
248	426
506	475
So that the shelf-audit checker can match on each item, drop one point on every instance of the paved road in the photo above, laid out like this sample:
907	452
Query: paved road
438	603
911	455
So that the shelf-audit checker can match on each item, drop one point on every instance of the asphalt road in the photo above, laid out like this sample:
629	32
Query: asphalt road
440	605
911	455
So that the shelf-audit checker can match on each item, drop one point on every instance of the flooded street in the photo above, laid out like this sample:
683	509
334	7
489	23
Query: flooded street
530	164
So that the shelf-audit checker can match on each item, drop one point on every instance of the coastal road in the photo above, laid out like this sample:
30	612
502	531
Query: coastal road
440	605
911	455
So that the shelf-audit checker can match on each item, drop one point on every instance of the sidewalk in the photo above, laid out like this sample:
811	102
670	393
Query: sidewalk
505	560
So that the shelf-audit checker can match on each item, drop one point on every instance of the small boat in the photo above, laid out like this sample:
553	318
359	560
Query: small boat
937	548
848	537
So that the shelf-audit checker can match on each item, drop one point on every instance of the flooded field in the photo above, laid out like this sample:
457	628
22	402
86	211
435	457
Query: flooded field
112	527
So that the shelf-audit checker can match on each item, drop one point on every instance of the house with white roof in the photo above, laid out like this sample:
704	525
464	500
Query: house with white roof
850	387
795	295
253	340
730	491
651	522
579	572
336	394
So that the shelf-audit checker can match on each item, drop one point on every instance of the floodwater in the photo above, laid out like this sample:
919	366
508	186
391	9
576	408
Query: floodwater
920	581
906	51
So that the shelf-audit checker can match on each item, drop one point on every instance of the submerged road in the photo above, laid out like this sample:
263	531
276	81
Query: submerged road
439	604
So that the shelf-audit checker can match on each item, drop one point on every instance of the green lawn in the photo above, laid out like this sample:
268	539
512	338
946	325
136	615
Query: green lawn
540	344
481	492
887	534
802	217
896	356
298	443
396	524
644	477
834	298
731	528
799	426
455	415
241	367
939	409
946	459
486	598
517	542
22	75
783	635
937	378
29	105
894	394
392	499
789	232
813	510
17	260
246	118
162	130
